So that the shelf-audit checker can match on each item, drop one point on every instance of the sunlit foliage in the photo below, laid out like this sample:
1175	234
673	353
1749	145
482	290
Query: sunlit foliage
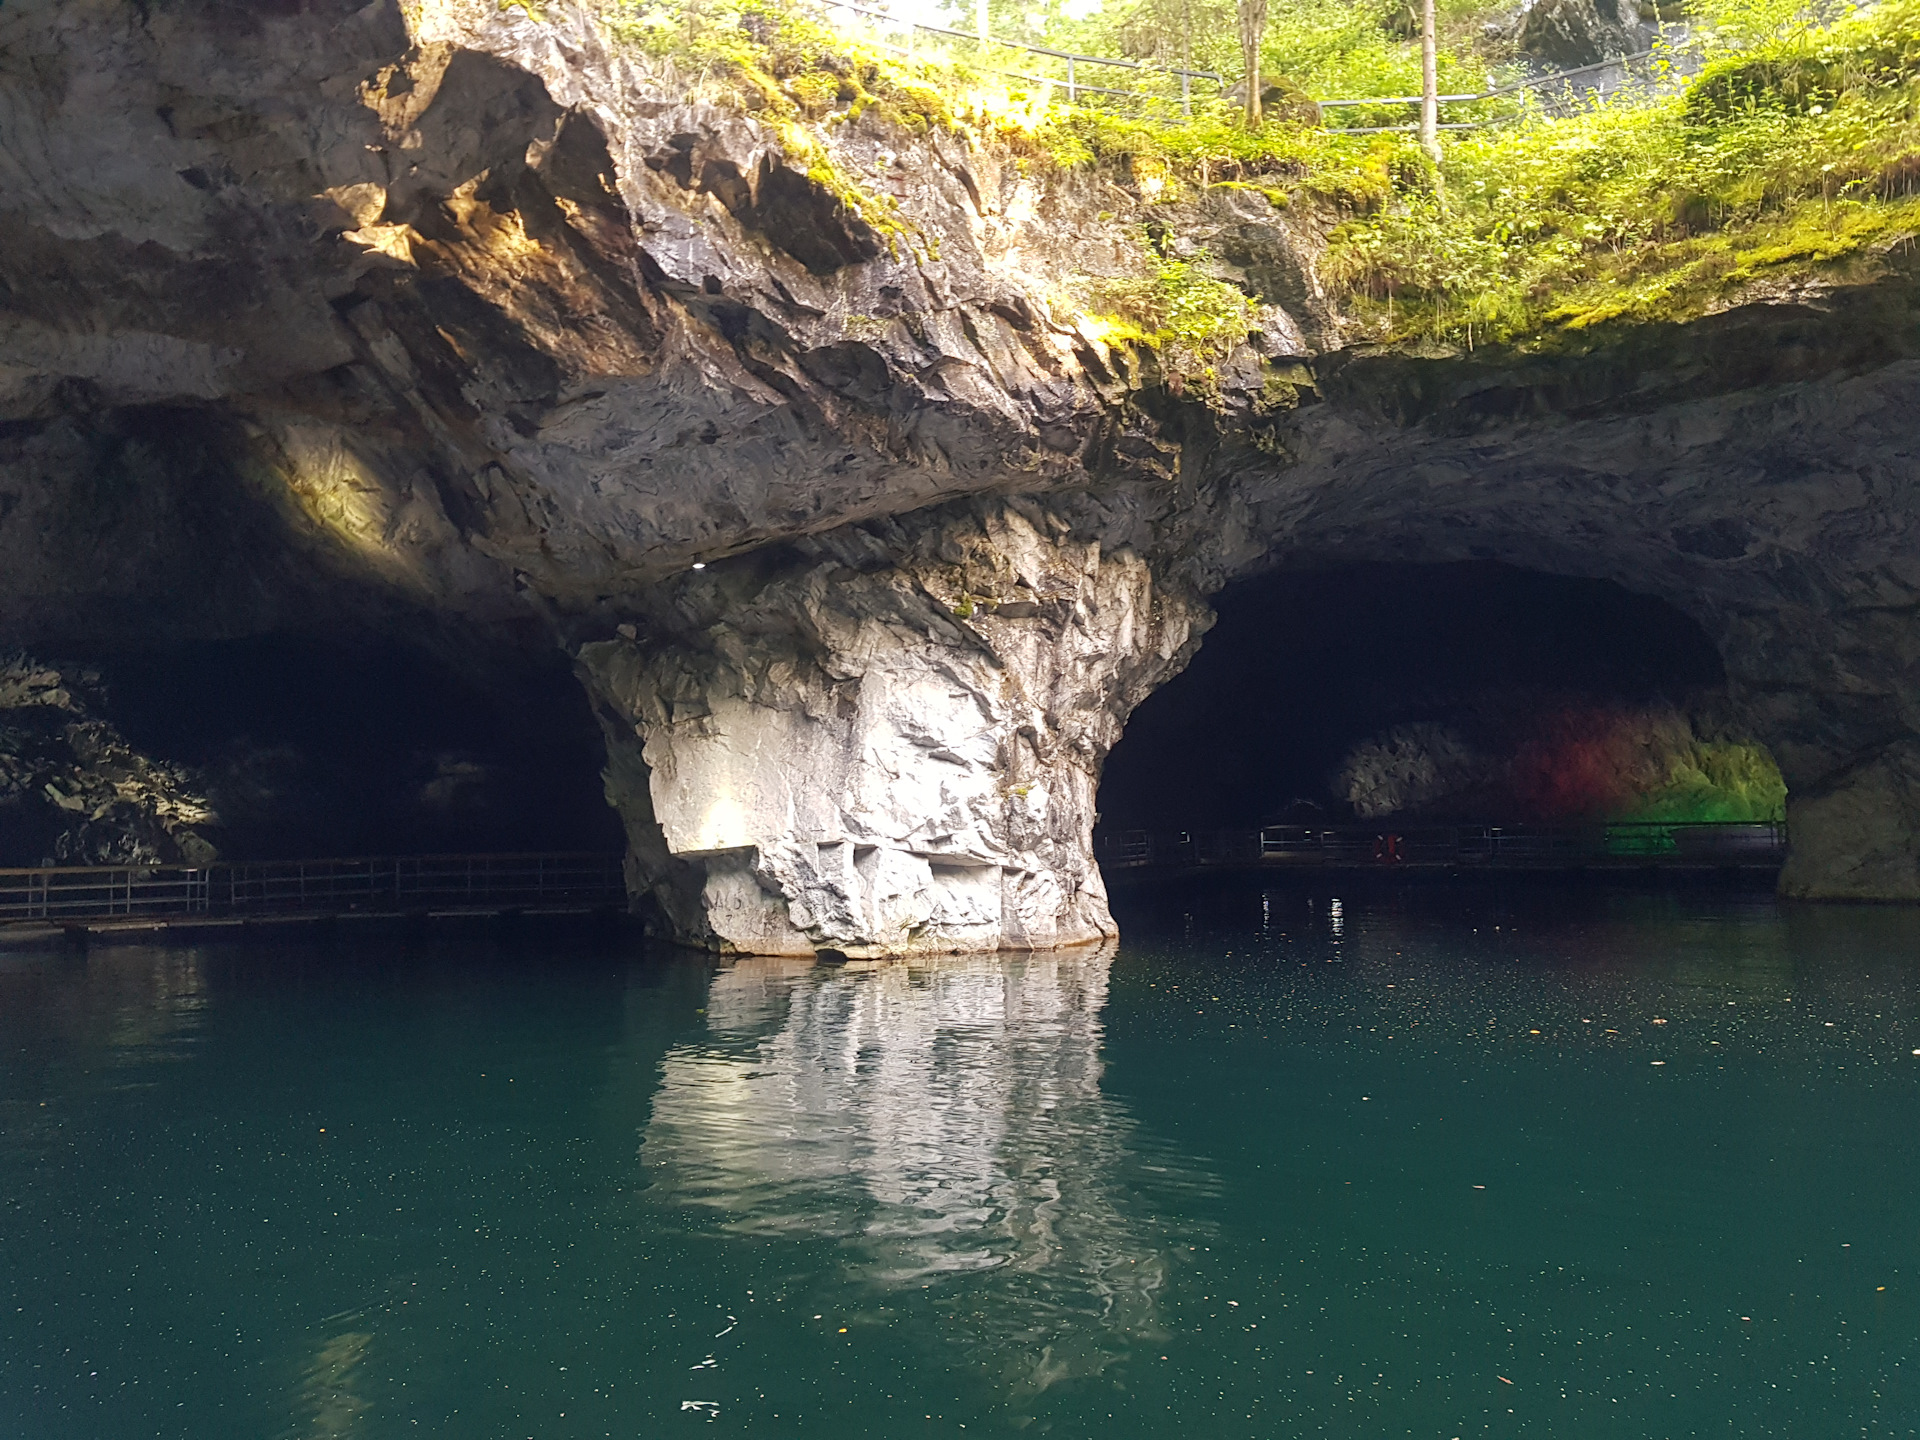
1778	160
1794	153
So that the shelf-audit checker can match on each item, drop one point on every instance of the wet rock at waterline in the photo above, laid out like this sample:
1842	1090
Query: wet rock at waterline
452	320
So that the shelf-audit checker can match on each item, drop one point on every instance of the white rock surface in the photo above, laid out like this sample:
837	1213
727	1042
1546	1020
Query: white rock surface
898	761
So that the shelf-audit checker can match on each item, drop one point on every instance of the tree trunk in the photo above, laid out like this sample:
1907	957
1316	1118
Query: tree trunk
1253	29
1429	85
1186	57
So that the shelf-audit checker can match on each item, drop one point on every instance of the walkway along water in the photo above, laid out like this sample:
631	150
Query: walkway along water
88	899
82	900
1734	847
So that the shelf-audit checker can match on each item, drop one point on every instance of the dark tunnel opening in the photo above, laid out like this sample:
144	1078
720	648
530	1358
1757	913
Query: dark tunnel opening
303	746
1469	692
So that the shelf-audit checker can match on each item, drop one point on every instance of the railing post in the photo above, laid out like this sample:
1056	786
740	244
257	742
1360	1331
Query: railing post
1070	89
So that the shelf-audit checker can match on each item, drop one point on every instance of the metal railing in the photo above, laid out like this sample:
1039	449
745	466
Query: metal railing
1071	84
1608	75
398	884
1075	89
1686	844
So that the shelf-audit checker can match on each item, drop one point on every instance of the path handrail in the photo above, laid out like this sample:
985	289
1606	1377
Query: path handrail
1073	87
1537	82
383	884
1685	842
1498	90
9	872
1212	75
1074	58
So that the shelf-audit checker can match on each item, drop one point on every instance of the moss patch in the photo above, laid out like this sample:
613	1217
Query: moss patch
1793	162
1795	158
1191	319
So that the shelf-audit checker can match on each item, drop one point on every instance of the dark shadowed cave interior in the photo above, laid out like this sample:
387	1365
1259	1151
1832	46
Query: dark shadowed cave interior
351	744
1302	666
361	744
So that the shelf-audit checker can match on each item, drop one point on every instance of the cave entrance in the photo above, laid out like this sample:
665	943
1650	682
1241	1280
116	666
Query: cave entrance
1445	693
298	745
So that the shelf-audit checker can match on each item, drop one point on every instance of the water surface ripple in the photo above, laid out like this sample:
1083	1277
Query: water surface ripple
1430	1163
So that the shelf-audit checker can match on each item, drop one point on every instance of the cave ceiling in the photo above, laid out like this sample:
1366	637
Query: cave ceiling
463	321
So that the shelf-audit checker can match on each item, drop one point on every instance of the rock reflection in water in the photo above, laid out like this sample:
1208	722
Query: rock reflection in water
935	1117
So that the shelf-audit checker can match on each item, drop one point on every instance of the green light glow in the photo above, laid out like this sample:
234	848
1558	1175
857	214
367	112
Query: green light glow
1712	780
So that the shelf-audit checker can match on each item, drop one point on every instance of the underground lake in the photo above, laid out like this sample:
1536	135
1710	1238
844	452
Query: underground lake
1099	719
1509	1159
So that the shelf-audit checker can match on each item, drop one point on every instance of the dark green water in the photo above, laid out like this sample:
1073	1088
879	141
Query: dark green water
1431	1166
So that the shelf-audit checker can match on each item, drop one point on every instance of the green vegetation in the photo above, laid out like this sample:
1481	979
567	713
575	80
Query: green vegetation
1794	154
780	61
1327	48
1779	162
1192	319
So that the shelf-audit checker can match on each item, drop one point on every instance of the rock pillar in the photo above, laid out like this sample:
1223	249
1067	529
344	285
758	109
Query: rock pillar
1834	690
889	743
1855	835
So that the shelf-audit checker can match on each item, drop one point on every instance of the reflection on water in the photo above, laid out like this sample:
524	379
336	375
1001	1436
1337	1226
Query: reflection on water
935	1117
121	1011
1520	1160
330	1402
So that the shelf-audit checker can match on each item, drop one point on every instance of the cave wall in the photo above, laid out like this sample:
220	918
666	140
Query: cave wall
485	330
1756	470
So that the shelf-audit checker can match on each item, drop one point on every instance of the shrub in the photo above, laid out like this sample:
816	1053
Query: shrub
1191	318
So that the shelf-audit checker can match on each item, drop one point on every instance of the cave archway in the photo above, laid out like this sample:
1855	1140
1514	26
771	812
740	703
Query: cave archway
296	744
1519	696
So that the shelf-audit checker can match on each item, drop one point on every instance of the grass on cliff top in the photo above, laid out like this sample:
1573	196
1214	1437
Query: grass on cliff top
803	78
782	62
1794	155
1782	163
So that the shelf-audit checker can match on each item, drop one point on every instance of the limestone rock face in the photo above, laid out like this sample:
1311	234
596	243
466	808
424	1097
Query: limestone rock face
460	319
486	309
889	753
1566	34
1854	836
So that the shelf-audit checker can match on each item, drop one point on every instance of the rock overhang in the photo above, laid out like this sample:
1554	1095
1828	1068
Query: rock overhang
494	325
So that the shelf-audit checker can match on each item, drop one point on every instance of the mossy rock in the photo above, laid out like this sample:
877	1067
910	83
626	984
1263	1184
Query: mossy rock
1280	99
1878	51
